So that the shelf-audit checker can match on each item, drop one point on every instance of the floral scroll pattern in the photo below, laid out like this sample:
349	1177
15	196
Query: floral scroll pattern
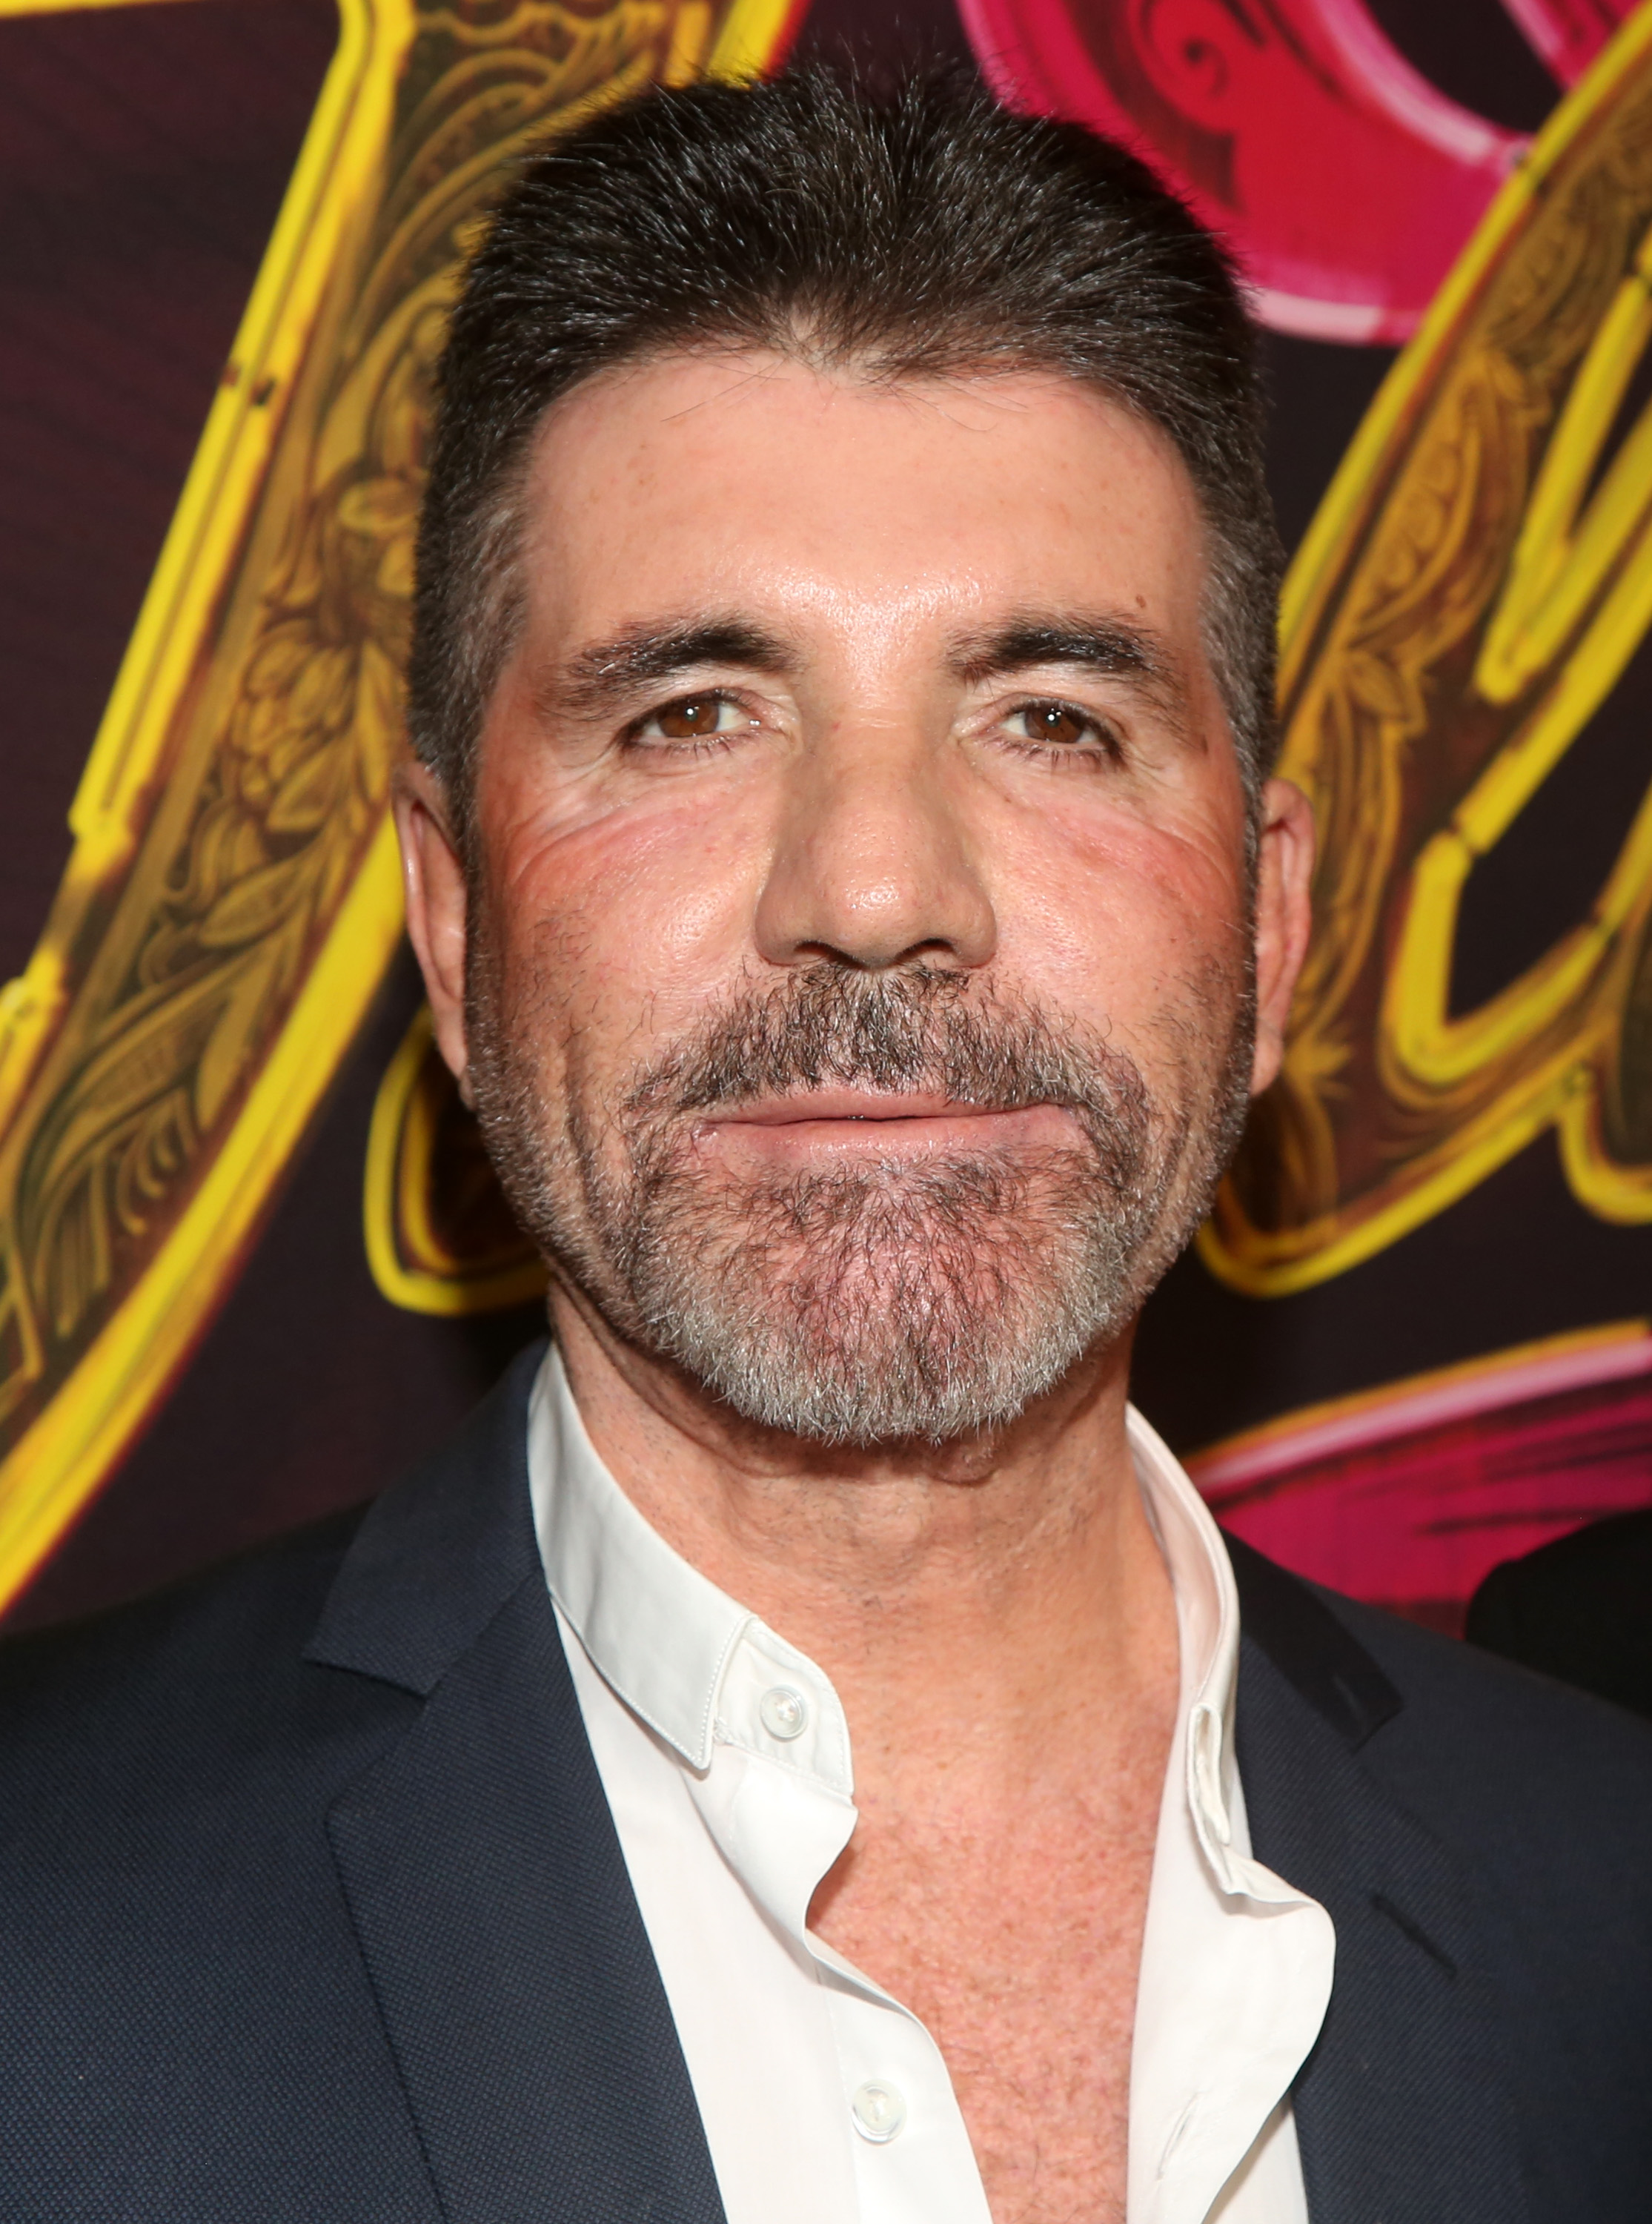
231	901
1478	578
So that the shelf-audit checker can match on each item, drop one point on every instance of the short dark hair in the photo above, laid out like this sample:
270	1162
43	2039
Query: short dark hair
922	231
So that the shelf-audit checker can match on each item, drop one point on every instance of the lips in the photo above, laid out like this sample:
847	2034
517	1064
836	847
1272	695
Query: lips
859	1105
839	1124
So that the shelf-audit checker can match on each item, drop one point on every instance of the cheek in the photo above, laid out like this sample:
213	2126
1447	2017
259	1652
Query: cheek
636	918
1118	920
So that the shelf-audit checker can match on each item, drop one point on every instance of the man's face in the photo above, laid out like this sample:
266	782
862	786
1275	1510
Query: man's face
859	940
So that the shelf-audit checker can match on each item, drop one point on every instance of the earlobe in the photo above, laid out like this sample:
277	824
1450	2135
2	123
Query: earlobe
1283	917
437	898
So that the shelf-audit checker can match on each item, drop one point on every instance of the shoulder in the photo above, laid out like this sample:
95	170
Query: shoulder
1518	1771
216	1711
239	1610
171	1920
165	1774
1501	1822
137	1711
151	1711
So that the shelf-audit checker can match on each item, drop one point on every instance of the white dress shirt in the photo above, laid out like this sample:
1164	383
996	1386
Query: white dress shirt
725	1756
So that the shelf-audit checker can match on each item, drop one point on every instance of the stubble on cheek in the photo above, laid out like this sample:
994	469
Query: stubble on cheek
528	1060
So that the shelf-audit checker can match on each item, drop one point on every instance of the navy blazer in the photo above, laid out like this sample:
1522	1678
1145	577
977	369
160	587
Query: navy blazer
311	1910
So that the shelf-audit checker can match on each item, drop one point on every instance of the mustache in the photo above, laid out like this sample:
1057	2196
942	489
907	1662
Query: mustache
925	1028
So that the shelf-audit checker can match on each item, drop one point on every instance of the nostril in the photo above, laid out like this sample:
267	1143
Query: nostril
924	954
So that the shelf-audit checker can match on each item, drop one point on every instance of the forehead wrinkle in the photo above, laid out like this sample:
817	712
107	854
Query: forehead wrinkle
1111	646
604	673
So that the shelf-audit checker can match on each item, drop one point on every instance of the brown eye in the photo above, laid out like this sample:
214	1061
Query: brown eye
1055	724
695	715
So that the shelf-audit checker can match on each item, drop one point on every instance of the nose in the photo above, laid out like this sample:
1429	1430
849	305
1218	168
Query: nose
872	867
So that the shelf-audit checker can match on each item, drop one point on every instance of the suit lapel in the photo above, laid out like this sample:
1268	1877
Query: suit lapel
514	1977
484	1876
1402	2109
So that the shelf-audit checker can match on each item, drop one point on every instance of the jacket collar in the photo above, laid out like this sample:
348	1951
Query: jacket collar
488	1893
437	1556
515	1979
1402	2108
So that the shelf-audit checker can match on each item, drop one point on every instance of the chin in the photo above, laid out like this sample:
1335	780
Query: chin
929	1345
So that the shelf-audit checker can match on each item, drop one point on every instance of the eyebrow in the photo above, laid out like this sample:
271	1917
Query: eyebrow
1113	647
605	675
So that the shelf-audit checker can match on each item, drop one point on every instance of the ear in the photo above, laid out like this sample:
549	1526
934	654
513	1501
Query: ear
437	895
1283	915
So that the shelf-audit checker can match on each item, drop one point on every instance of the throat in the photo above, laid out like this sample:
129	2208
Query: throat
1012	1930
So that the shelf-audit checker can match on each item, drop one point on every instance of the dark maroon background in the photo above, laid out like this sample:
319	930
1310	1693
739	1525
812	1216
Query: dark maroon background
144	153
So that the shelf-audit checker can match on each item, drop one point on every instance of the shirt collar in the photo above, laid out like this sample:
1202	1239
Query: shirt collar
662	1635
654	1628
1207	1626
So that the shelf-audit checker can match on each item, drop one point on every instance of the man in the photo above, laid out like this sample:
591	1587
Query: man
792	1758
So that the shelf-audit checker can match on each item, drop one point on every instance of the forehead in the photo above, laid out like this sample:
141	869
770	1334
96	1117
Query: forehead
829	501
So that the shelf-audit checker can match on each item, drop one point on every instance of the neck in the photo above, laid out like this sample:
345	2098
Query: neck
999	1603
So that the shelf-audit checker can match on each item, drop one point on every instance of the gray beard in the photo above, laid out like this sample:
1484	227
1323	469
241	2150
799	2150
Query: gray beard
886	1302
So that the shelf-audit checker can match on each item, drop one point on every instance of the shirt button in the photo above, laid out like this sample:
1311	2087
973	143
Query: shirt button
783	1712
879	2112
